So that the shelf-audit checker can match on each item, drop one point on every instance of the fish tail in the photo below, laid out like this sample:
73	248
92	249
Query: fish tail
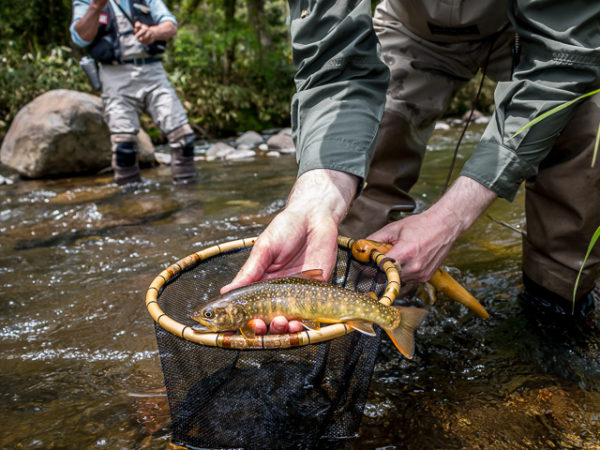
403	336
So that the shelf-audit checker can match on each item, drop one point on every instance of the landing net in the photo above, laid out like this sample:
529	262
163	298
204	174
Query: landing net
277	391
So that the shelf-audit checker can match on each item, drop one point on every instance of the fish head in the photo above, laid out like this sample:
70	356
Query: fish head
219	315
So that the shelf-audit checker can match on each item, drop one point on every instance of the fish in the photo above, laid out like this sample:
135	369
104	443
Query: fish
308	299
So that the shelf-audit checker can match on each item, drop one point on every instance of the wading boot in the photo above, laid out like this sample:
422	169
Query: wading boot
553	310
124	163
182	161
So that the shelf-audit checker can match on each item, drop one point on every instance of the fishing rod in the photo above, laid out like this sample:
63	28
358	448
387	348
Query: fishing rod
127	16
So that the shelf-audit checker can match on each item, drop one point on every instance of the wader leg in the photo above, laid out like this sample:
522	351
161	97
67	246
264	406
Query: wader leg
124	158
394	170
424	78
181	143
563	209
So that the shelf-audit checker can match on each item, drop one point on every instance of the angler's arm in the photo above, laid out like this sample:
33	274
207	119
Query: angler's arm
340	84
86	26
161	32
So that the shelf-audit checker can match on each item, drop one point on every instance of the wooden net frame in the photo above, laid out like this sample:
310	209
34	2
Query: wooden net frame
268	341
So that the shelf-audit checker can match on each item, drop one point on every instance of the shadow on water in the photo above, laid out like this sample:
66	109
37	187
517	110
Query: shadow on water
78	352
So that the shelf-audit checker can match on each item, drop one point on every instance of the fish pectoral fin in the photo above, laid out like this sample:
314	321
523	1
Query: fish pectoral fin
247	331
373	295
362	326
311	324
313	274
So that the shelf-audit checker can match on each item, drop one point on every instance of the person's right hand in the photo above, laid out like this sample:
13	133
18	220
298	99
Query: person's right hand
304	235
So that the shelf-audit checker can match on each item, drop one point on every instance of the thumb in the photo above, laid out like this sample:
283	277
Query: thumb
252	270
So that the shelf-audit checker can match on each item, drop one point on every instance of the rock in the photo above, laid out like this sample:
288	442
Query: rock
282	142
442	126
274	154
263	147
62	132
219	151
163	159
240	154
4	180
250	139
477	116
145	149
287	150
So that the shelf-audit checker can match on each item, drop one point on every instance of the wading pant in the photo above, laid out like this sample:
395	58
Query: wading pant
562	202
131	89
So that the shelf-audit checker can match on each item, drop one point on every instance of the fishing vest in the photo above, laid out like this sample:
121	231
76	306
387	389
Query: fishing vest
451	21
106	46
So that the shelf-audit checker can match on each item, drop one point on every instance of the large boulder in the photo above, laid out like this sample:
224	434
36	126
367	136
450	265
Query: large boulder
62	132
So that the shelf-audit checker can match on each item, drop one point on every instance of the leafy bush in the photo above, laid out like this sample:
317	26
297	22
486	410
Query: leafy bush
24	76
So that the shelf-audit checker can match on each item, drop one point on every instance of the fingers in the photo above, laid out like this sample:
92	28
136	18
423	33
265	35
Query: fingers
252	270
279	325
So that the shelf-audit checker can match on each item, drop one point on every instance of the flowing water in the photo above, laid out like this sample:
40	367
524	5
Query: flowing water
79	362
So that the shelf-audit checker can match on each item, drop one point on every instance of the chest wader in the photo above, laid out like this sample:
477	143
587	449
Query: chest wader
552	249
139	83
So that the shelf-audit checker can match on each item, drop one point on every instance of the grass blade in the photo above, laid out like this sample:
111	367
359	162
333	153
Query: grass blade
595	238
552	111
596	147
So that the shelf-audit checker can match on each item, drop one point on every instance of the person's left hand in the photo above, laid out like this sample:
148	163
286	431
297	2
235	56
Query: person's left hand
144	33
421	242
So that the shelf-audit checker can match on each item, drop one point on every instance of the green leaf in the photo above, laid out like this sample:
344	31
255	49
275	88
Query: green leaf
595	238
596	147
552	111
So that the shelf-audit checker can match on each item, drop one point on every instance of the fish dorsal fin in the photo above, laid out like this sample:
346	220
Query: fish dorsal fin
248	331
312	274
362	326
311	324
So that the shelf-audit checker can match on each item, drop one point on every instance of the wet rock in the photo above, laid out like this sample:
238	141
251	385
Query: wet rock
240	154
282	142
4	180
62	132
478	117
250	139
145	150
274	154
219	151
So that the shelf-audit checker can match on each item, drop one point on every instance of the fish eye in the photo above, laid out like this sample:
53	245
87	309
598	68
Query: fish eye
208	313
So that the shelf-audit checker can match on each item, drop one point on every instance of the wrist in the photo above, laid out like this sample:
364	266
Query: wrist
462	205
323	191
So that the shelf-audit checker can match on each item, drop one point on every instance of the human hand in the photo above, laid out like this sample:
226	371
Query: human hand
144	33
421	242
301	237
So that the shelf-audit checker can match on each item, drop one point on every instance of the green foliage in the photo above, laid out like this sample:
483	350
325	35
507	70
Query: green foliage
463	100
24	76
227	78
591	245
35	24
553	111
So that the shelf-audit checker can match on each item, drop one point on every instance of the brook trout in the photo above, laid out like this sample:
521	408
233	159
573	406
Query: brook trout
312	302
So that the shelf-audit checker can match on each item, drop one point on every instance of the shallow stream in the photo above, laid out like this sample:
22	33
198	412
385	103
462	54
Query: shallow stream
78	355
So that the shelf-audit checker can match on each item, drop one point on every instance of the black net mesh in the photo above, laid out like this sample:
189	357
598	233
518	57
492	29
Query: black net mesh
292	398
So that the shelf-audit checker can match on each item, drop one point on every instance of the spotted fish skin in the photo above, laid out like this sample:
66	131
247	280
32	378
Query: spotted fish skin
312	302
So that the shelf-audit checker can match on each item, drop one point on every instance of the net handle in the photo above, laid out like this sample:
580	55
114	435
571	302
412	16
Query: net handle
268	341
